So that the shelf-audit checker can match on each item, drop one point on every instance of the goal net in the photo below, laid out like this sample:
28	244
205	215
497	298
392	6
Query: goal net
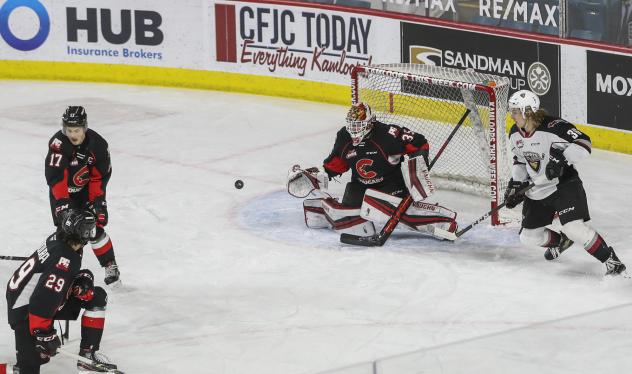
431	100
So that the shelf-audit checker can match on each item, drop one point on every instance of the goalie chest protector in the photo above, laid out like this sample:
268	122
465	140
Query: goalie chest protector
377	157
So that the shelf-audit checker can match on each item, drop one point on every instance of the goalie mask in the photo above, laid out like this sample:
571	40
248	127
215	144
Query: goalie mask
359	122
524	100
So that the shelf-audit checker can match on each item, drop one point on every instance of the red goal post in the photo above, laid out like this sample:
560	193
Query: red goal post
430	100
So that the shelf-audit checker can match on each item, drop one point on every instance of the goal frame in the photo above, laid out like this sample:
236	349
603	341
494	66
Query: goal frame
493	124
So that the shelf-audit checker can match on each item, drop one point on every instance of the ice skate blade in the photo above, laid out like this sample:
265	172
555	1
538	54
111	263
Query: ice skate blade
115	285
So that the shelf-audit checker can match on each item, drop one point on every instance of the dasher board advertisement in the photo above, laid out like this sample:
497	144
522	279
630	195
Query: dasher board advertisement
298	42
142	32
528	64
609	79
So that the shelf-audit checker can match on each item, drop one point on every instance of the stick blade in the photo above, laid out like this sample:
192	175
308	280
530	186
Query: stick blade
444	234
365	241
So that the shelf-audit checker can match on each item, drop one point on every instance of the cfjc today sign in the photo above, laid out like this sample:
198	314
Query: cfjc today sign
293	40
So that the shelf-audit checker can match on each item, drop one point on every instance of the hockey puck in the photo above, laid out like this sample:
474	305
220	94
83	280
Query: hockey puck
239	184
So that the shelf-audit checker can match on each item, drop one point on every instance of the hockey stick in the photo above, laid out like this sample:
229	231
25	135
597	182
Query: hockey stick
378	240
458	234
89	361
13	258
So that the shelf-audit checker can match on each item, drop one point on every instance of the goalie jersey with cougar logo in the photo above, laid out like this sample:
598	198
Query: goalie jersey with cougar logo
532	152
377	157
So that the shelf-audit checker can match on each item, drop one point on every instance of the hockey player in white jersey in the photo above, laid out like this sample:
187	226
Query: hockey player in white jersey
545	151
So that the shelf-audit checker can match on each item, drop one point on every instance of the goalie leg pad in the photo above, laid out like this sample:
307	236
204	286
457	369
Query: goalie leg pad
430	219
426	218
344	219
315	217
378	207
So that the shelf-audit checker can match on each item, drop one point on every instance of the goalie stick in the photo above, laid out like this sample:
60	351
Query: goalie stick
378	240
89	361
454	236
13	258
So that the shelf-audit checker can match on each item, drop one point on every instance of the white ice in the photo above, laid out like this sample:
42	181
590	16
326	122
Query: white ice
220	280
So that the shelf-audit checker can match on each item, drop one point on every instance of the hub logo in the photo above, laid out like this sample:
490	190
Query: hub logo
144	24
44	24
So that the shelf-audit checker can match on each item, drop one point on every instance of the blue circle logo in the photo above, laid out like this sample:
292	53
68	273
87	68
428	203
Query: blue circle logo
12	40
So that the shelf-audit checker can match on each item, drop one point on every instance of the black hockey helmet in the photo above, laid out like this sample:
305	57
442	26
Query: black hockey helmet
78	226
74	116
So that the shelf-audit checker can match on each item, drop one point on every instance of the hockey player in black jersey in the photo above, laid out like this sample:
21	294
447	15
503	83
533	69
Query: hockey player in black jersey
545	151
78	169
50	286
387	163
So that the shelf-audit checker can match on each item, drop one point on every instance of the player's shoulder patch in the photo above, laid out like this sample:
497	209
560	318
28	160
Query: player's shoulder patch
556	122
63	264
55	144
386	131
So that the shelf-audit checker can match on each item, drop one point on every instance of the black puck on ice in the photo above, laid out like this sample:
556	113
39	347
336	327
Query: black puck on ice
239	184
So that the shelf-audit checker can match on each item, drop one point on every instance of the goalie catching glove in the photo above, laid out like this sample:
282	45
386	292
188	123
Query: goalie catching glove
301	182
515	193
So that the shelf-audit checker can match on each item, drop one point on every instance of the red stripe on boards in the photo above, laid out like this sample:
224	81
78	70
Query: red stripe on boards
225	34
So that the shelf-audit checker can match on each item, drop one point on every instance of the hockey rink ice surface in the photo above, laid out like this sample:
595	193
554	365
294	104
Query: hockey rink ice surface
220	280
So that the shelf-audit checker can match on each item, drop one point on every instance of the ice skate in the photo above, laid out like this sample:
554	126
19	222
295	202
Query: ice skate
112	275
101	363
552	253
614	266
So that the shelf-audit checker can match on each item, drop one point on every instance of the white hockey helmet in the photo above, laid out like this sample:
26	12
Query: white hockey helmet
523	100
359	121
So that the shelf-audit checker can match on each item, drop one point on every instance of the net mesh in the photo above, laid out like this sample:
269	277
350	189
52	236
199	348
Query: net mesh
431	100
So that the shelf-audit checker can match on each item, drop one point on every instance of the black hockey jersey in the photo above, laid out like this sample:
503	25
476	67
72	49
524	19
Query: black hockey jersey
531	153
77	173
41	285
377	157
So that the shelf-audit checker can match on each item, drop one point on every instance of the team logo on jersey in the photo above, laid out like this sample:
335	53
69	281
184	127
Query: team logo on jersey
520	143
351	154
534	160
361	168
81	177
63	264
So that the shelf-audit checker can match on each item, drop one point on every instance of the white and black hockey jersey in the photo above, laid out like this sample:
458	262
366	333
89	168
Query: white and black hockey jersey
531	153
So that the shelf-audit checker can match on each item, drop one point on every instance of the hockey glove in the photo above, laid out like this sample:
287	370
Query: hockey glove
557	164
513	195
83	285
62	208
46	342
100	208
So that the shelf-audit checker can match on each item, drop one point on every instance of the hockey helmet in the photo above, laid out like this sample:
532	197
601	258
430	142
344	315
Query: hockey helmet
74	116
359	121
524	100
79	225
